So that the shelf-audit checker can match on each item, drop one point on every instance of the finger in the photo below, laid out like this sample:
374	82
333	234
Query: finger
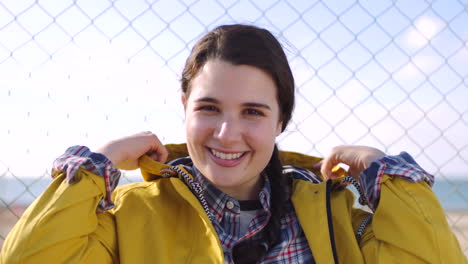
153	155
158	151
354	173
157	156
317	165
326	168
163	154
328	174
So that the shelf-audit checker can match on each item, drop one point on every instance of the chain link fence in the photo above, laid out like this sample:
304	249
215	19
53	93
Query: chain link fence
390	74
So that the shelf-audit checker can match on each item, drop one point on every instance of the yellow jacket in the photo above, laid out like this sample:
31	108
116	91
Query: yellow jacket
161	221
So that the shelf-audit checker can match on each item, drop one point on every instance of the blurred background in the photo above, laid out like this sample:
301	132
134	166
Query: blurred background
389	74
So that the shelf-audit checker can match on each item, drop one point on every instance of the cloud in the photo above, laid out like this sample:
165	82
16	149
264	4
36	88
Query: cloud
423	31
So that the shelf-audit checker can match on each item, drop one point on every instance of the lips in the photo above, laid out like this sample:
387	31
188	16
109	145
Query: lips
227	159
226	156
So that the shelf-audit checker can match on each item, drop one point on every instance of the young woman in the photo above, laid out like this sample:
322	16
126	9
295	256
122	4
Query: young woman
225	196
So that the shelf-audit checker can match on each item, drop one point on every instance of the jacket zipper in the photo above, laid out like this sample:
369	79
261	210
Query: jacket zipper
330	223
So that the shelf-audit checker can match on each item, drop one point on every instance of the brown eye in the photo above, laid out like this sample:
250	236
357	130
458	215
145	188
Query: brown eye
208	108
253	112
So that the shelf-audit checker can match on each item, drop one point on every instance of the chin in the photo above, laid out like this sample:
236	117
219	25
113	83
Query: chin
224	181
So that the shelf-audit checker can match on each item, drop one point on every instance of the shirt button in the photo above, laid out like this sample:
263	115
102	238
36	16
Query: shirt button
230	205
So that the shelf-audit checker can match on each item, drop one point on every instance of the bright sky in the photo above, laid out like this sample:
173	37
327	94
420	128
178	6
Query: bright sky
393	76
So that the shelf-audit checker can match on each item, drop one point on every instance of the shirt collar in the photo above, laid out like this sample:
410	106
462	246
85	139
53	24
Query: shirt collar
219	202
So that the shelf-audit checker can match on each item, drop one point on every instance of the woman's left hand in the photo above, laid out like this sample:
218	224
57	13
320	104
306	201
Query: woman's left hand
358	158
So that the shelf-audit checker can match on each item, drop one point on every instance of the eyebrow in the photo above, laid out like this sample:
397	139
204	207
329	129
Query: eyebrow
257	105
247	104
207	100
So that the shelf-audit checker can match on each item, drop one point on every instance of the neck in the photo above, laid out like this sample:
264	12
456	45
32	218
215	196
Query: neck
243	192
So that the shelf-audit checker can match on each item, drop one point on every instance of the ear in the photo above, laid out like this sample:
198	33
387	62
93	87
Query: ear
183	99
279	128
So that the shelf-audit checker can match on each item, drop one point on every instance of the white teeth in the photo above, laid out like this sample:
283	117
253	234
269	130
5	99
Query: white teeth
225	156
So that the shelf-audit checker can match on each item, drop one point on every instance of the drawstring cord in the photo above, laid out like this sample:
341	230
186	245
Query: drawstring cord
362	201
362	227
194	186
362	196
198	191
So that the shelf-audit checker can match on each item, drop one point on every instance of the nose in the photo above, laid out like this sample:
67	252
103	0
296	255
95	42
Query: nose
228	131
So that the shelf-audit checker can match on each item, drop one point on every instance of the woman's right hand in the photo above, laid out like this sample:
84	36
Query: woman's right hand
125	152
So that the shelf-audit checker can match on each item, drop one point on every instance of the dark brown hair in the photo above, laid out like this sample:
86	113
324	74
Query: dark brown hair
257	47
245	45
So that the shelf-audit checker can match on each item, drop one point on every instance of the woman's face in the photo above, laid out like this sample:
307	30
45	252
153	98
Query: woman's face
231	121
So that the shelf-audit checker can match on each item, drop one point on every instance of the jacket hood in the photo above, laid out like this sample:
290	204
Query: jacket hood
152	170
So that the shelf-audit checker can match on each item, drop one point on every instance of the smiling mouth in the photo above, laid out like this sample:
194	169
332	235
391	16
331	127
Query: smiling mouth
227	156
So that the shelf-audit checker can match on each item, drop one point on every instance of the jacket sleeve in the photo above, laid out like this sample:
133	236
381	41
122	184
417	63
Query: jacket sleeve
64	224
409	224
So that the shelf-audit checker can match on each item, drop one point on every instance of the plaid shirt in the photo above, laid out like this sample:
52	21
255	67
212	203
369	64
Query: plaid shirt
292	246
81	157
403	166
